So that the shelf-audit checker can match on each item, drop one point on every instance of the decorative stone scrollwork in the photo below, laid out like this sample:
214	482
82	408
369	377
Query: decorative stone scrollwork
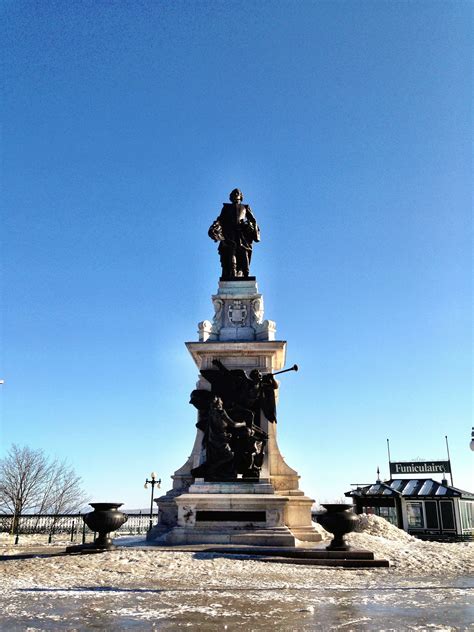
188	515
204	330
266	330
238	314
218	315
273	517
257	312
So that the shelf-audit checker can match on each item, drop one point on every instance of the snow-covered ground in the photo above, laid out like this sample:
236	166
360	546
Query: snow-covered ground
429	586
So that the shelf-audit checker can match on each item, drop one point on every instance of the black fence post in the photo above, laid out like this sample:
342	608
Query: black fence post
51	533
72	531
84	533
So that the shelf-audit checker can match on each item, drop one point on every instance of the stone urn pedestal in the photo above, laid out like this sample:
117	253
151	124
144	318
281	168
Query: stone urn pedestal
105	519
340	520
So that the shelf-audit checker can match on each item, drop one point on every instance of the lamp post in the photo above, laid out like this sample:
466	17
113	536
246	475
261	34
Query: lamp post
152	482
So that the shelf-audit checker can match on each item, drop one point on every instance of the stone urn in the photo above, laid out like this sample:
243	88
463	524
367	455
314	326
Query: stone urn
105	518
338	519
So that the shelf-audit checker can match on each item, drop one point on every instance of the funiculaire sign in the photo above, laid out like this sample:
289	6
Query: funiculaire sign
420	467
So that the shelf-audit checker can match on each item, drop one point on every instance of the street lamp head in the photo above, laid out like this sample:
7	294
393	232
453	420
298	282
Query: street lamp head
145	486
153	475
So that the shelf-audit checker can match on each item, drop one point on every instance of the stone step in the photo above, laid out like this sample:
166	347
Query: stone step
216	536
355	558
291	552
347	563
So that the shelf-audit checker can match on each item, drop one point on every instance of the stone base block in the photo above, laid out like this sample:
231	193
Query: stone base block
306	534
298	516
239	513
156	533
221	517
222	534
232	487
237	333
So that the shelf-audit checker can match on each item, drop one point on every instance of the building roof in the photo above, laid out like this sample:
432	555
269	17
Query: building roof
421	487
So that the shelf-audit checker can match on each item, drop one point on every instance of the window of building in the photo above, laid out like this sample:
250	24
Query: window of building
389	513
467	515
415	515
426	488
410	487
397	484
447	515
431	513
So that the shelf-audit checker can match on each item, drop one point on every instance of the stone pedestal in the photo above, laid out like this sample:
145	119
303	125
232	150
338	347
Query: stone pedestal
231	513
270	512
238	314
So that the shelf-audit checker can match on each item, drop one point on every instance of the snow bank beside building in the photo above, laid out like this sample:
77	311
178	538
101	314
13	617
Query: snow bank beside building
374	525
408	554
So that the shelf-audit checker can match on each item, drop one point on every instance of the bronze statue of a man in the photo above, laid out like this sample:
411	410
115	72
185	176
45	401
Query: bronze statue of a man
235	229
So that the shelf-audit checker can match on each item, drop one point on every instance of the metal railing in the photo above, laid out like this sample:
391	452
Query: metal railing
444	537
70	525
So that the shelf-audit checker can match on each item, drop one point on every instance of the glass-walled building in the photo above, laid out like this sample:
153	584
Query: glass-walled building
422	507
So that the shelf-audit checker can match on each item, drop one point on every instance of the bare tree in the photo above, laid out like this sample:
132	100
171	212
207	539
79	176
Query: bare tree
22	474
30	481
62	492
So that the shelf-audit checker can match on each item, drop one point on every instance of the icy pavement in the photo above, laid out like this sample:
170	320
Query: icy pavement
428	587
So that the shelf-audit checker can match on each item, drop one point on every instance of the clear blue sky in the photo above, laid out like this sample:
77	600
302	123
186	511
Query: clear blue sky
347	126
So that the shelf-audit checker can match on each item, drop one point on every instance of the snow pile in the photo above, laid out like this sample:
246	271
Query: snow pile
319	529
418	556
374	525
407	553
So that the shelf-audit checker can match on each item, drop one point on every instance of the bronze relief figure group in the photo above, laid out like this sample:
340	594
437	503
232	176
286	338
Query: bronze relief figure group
229	416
